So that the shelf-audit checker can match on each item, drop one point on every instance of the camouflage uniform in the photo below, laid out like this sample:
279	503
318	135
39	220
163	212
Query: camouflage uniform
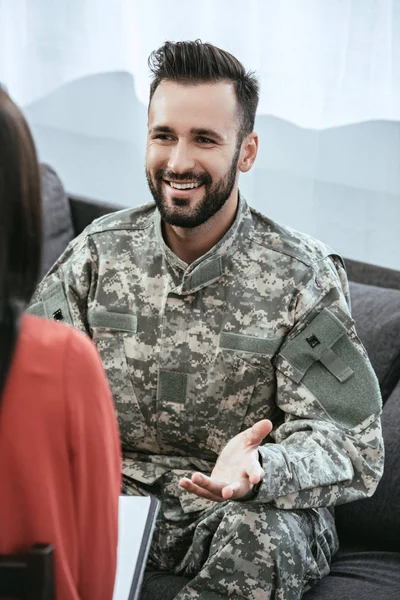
258	327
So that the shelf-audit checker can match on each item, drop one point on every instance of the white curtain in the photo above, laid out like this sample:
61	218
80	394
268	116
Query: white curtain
329	107
321	63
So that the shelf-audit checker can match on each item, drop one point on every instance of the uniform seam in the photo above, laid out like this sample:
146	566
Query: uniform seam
310	264
123	225
120	227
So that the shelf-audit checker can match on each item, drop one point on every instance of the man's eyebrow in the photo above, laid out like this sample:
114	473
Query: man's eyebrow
194	131
161	129
208	133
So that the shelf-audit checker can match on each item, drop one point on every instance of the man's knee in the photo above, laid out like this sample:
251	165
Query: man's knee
300	543
265	529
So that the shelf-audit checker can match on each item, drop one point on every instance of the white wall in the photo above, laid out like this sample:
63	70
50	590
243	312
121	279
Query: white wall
341	185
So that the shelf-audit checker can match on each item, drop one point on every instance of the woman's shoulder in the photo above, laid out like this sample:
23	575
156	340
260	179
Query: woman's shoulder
41	337
44	332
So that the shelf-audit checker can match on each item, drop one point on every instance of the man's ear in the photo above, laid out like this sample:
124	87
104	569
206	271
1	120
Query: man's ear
248	152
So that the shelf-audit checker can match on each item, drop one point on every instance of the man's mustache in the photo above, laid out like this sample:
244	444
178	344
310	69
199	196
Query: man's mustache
203	178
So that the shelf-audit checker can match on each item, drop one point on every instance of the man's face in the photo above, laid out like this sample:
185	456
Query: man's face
192	150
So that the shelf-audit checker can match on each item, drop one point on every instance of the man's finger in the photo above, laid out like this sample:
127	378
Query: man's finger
233	490
256	434
188	485
208	484
256	474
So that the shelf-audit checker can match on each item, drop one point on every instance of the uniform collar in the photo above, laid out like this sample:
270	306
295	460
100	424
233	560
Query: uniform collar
209	267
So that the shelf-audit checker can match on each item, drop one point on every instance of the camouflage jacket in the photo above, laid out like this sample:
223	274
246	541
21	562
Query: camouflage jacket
259	327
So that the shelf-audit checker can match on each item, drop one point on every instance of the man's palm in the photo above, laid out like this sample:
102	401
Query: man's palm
236	470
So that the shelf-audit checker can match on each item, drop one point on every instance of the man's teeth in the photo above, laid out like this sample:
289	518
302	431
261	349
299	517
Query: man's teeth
183	186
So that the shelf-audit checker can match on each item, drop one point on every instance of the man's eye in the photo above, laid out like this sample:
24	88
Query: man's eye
205	141
162	136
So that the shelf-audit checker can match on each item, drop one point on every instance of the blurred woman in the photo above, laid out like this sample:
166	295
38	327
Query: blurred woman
59	445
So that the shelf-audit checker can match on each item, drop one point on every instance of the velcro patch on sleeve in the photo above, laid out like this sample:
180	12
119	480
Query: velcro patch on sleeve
325	360
314	343
54	304
36	309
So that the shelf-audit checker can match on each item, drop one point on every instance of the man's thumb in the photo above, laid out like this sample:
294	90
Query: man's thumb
258	432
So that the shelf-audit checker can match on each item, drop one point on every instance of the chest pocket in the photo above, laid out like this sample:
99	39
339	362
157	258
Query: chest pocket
109	330
248	389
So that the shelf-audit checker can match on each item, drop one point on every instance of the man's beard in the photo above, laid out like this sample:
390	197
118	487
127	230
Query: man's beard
213	200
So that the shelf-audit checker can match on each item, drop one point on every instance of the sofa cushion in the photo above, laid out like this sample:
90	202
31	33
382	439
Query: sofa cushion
376	312
161	585
57	221
376	520
360	575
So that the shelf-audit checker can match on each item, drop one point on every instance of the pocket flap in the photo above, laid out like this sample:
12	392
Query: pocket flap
140	471
248	343
104	319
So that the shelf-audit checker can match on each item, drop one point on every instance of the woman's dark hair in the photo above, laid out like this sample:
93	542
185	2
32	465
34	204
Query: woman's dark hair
20	225
195	62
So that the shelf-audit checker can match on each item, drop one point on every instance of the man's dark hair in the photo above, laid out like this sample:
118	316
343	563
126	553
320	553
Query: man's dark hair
195	62
20	224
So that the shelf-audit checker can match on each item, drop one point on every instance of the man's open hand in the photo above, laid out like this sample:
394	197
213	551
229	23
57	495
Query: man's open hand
236	470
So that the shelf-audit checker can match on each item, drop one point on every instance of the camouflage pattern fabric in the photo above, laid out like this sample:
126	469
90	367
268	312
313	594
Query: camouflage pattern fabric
259	327
239	549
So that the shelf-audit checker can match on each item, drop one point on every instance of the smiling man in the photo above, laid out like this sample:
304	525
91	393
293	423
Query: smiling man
194	156
245	400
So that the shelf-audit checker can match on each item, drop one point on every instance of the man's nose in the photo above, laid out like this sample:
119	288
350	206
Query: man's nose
181	158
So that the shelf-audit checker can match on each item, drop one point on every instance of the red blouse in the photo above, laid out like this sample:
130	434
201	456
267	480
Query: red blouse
60	458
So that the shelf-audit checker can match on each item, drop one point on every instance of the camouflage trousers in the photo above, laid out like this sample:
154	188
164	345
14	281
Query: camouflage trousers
242	550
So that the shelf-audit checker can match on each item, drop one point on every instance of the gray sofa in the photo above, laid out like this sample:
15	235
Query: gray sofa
367	566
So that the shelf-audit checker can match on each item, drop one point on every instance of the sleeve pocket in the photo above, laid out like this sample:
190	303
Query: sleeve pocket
325	360
54	304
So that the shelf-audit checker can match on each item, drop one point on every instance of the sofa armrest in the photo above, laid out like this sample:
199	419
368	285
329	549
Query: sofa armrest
85	210
372	274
